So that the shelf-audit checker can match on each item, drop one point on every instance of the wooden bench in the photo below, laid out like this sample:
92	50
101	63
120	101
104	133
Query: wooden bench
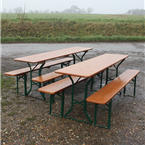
21	73
105	94
58	88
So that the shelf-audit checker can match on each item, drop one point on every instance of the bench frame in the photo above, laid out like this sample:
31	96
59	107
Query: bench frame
109	104
39	73
33	68
61	94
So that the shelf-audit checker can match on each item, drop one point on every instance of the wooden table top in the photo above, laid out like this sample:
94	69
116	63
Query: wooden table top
37	58
92	66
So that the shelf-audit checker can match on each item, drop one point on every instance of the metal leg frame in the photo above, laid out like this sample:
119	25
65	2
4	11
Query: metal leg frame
116	69
33	83
83	103
80	58
109	115
62	104
100	75
134	91
65	64
24	77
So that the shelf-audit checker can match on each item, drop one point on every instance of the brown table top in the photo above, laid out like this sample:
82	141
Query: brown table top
37	58
92	66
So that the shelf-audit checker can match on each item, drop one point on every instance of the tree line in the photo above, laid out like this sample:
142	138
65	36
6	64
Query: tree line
72	10
135	12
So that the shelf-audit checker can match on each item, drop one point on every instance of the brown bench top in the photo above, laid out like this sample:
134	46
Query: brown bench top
46	77
92	66
59	85
52	54
47	65
105	94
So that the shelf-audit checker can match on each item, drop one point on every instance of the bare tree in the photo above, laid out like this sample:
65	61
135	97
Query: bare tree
46	11
90	10
136	12
10	11
20	12
74	9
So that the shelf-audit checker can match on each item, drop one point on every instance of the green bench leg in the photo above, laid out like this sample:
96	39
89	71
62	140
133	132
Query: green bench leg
95	115
62	104
51	99
134	91
109	115
24	77
42	94
25	84
17	79
134	86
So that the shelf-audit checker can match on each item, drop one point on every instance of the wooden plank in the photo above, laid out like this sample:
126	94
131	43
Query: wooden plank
105	94
46	77
59	85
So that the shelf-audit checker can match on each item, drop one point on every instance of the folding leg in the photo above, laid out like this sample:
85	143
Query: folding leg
24	77
62	104
109	115
134	91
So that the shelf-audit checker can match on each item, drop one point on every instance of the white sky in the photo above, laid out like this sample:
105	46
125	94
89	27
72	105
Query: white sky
99	6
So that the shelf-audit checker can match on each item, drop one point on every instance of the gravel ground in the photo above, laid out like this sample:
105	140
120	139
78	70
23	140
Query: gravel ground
26	120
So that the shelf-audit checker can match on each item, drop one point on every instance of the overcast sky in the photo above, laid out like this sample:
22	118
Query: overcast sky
99	6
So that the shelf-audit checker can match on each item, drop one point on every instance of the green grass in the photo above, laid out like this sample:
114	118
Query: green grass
71	16
50	28
31	118
6	103
68	39
23	122
7	82
11	113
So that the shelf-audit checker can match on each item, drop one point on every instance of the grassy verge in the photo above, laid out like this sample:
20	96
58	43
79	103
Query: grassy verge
67	39
72	30
7	82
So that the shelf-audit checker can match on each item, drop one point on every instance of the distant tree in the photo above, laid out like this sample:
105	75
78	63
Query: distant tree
74	9
46	11
4	11
135	12
90	10
31	11
20	12
36	11
83	11
40	11
10	11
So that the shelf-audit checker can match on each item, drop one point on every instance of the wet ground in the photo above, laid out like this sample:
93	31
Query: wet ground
128	114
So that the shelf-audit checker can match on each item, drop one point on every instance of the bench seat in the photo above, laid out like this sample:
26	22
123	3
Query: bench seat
105	94
59	85
46	77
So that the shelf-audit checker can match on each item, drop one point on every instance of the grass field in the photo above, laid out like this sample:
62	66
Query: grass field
71	28
73	16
